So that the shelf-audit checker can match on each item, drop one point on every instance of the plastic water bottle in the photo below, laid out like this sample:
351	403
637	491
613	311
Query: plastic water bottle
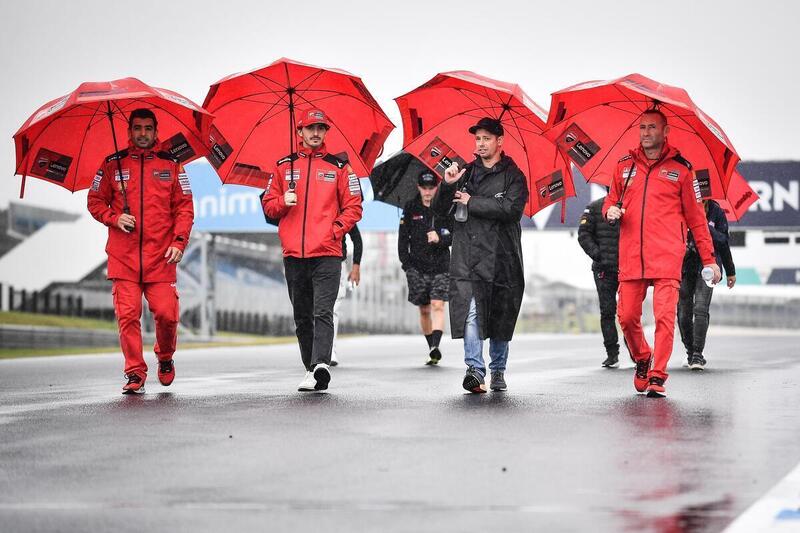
461	213
708	276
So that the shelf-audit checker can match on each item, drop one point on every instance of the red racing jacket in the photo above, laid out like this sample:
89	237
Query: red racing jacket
328	203
159	197
661	202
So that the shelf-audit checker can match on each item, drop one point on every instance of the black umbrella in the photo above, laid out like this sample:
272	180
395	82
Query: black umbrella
394	181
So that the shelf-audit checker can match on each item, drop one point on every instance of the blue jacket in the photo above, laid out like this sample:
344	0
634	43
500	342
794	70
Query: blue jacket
718	228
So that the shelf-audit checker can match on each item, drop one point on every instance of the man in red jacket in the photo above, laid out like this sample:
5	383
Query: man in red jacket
655	199
142	194
316	198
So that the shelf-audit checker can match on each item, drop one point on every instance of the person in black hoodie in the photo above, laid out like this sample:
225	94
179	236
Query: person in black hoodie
695	295
424	248
347	281
600	241
486	272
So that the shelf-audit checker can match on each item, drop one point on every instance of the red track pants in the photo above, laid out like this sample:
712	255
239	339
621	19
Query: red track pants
162	299
629	311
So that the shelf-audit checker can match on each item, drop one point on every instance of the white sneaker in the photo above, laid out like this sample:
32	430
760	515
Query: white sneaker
322	376
307	385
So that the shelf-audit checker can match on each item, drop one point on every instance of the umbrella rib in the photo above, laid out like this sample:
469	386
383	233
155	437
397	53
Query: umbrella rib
34	140
345	95
528	117
521	141
481	106
245	97
465	89
318	73
588	178
448	117
345	137
249	136
262	79
80	150
629	98
601	104
708	148
528	163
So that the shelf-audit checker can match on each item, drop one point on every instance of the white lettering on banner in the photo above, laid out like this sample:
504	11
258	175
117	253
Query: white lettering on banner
790	196
227	205
774	196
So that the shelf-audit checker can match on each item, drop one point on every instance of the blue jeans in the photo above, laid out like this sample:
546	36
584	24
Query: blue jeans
473	346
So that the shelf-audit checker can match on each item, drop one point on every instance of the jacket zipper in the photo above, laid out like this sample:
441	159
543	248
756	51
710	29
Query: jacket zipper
305	209
141	220
644	201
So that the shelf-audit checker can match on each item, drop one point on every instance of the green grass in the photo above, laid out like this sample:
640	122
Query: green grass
14	353
17	318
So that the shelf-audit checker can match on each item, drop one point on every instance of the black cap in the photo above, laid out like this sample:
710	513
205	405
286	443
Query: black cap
491	125
427	179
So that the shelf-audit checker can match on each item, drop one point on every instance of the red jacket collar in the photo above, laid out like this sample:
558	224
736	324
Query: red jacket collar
135	150
667	151
302	151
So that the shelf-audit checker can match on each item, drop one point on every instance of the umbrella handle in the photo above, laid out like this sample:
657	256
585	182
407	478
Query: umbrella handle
125	207
613	223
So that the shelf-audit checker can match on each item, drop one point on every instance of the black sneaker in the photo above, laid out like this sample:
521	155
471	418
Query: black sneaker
166	372
697	362
135	384
498	382
473	381
322	376
435	356
612	361
655	388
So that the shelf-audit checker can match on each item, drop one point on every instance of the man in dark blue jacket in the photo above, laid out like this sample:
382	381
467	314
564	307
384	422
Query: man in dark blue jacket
695	295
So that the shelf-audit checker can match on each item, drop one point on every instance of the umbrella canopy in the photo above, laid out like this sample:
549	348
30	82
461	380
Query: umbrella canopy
596	123
394	181
737	199
438	114
66	140
256	115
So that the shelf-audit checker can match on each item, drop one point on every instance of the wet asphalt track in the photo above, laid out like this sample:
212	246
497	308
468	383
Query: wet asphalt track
397	446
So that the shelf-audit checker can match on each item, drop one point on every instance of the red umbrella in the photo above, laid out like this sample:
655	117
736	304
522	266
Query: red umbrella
66	139
255	116
596	123
736	200
437	116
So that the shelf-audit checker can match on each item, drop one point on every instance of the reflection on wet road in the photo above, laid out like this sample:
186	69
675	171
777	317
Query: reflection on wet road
395	445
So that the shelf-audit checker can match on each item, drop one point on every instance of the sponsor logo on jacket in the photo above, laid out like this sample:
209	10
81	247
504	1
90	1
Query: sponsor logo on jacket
96	181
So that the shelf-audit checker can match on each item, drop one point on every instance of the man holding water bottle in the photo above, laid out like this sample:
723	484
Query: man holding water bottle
696	290
654	197
486	276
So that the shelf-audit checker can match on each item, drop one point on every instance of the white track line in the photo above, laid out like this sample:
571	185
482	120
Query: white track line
777	511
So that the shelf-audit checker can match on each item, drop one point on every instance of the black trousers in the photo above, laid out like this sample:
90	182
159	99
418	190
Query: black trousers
313	284
607	294
693	315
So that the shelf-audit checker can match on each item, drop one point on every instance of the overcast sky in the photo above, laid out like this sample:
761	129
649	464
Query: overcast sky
738	60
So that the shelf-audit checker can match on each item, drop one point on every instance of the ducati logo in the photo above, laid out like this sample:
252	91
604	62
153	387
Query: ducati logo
543	192
570	137
435	152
